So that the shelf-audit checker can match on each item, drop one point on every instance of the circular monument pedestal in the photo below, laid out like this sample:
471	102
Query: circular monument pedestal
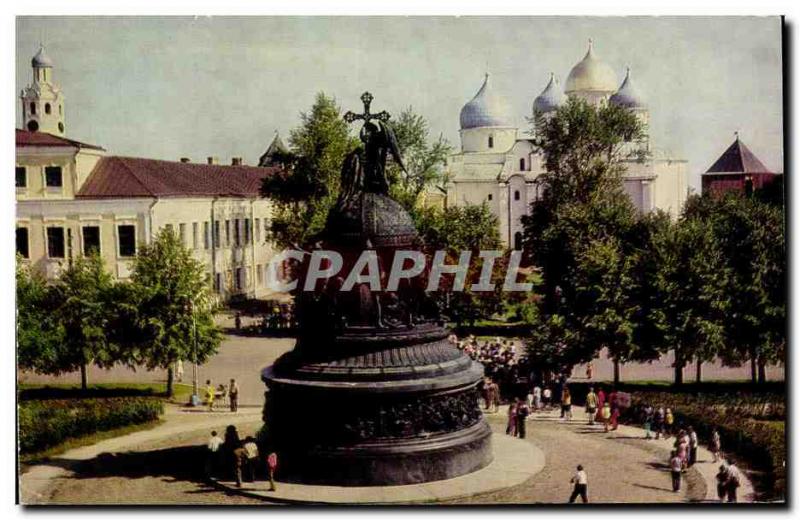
404	413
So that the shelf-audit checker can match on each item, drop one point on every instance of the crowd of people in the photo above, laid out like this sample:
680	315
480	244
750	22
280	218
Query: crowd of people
238	459
278	316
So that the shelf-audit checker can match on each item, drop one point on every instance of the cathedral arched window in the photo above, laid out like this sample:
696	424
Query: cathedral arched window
491	141
522	164
489	197
47	108
33	108
516	194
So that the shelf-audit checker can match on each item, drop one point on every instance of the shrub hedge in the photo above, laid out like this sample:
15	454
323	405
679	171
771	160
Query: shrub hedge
44	424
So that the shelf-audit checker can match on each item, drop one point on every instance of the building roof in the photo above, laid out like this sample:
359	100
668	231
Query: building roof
26	138
738	159
126	177
486	109
41	59
550	98
591	75
628	95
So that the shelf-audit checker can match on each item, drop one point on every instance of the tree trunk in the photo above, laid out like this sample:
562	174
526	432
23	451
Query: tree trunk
699	373
616	372
170	378
753	372
762	371
84	378
679	364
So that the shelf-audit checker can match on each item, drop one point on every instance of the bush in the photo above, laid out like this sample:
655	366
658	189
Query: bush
44	424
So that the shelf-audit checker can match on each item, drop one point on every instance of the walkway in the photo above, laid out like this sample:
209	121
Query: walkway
150	467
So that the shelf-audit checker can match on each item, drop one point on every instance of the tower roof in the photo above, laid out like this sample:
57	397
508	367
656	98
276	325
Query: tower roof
738	159
550	98
486	109
41	59
628	95
275	148
591	75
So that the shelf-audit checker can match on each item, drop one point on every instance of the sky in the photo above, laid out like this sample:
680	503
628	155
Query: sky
171	87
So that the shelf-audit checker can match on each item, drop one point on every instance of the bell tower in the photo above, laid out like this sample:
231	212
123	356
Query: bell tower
42	100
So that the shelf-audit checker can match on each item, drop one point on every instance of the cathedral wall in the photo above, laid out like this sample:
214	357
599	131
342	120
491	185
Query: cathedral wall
671	186
480	139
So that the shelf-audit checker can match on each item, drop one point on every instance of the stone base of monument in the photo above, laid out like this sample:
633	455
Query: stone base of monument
514	462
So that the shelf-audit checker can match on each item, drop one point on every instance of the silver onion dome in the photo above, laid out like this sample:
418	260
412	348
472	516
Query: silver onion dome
486	109
628	95
550	99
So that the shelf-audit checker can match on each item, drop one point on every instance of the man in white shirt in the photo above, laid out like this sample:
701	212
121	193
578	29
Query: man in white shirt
212	453
581	482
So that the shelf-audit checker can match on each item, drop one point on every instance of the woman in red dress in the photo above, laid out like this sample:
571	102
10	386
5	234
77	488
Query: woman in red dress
601	398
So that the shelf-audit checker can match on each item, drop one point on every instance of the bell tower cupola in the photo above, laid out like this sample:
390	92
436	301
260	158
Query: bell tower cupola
42	100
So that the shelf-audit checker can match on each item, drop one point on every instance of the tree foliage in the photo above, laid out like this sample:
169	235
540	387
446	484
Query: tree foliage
174	320
423	158
308	187
582	234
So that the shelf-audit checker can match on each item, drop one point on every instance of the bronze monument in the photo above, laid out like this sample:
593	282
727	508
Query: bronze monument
373	393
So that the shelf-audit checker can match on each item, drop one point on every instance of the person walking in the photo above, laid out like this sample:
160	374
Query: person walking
648	421
522	418
233	394
658	420
675	468
511	426
179	371
566	404
591	405
246	458
601	400
722	482
682	447
210	395
693	444
716	445
669	422
606	415
733	482
546	396
537	397
212	454
580	482
272	465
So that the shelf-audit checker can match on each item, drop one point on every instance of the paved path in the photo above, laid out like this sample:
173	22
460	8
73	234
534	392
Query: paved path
239	357
149	467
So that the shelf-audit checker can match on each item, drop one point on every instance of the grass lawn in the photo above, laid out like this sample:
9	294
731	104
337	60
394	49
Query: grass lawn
181	391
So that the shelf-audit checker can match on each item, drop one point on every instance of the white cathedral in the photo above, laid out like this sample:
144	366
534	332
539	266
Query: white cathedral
498	167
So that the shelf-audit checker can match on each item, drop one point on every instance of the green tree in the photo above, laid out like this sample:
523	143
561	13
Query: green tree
423	158
175	319
691	281
455	229
308	187
40	336
750	233
581	232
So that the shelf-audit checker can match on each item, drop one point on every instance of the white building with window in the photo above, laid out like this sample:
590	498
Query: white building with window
499	167
73	198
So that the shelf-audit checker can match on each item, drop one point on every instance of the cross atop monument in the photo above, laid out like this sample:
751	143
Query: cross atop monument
367	98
